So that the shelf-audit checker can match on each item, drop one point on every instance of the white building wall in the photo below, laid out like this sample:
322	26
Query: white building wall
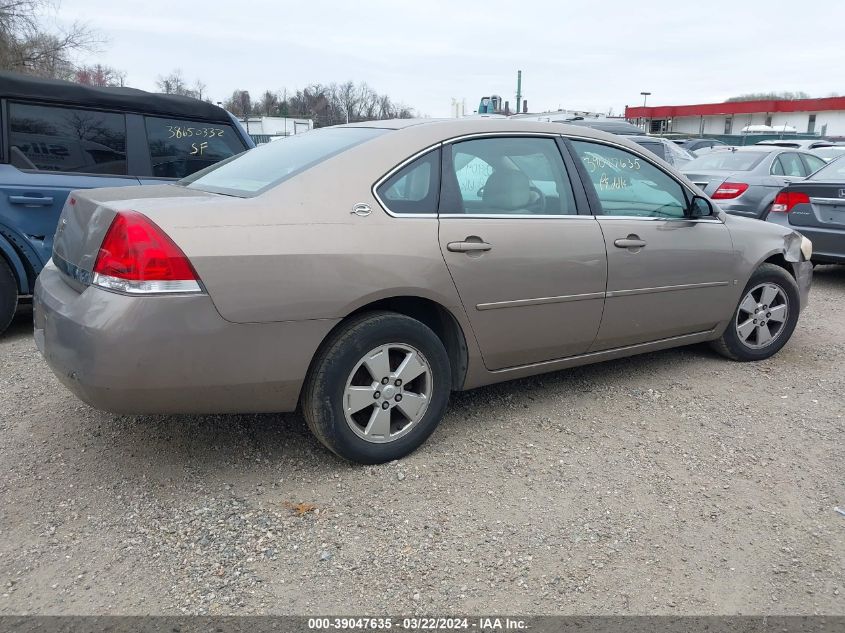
278	125
834	120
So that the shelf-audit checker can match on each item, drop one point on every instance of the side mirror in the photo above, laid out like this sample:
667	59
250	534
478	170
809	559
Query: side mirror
701	207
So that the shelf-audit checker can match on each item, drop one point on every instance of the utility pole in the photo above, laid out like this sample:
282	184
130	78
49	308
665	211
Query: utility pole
518	91
645	97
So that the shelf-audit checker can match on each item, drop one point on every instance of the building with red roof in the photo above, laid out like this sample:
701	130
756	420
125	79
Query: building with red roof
825	117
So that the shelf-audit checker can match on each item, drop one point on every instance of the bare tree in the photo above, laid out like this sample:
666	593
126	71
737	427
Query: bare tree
341	103
269	103
765	96
99	75
27	45
239	103
347	99
199	90
173	83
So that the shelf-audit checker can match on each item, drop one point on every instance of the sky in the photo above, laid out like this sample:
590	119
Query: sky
592	56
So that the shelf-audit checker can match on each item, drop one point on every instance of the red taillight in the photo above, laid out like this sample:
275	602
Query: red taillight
137	257
728	190
785	200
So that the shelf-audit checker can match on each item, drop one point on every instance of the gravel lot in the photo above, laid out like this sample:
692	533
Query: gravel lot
676	482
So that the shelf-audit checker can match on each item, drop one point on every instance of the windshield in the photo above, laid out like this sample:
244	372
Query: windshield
257	170
834	170
726	161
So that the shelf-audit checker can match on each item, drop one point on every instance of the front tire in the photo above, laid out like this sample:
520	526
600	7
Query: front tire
765	318
8	295
377	388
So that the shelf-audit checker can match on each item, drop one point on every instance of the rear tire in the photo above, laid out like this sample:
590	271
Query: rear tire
765	318
378	387
8	295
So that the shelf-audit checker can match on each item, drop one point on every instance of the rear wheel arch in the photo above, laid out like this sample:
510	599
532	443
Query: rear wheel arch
439	319
432	314
23	267
15	267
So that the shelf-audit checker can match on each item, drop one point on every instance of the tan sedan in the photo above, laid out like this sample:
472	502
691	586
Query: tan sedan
366	271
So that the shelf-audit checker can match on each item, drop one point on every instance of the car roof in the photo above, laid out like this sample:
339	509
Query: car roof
646	139
442	129
18	86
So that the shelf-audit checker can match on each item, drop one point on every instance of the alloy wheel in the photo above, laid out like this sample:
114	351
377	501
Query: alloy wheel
762	315
387	393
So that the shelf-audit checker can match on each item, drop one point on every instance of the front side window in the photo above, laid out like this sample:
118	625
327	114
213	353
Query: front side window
48	138
414	188
178	148
264	167
628	185
506	176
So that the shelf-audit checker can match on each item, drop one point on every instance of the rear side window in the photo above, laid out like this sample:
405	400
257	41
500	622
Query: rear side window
266	166
788	164
415	187
179	148
53	139
506	176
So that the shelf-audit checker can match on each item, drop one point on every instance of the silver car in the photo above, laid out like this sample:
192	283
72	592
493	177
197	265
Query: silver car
364	272
745	180
671	152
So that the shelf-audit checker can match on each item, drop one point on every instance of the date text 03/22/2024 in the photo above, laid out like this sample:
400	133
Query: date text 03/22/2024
418	623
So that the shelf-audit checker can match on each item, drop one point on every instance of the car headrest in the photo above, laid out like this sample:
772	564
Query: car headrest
507	189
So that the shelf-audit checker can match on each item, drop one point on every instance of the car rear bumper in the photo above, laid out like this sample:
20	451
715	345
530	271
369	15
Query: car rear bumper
168	354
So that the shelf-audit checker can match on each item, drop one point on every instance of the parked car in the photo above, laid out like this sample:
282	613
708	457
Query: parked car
797	143
745	180
366	271
816	208
665	149
622	128
693	145
830	153
56	136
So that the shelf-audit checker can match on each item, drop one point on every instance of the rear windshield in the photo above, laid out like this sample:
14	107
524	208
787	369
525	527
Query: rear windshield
654	148
724	160
257	170
834	170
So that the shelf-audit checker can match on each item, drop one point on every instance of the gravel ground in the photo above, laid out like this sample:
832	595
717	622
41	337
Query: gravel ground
675	483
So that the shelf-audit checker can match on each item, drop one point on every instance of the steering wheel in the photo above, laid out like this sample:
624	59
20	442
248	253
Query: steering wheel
540	203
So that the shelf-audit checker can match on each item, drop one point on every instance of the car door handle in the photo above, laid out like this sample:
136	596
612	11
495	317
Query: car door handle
632	241
468	247
40	201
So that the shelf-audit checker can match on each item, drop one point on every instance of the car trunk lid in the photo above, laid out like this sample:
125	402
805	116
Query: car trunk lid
709	181
826	208
88	214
